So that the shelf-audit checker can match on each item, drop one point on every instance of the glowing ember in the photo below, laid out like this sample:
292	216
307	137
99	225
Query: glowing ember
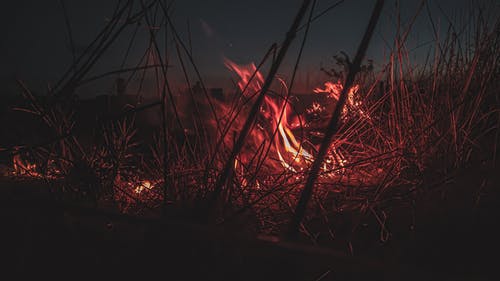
24	168
315	108
143	185
333	89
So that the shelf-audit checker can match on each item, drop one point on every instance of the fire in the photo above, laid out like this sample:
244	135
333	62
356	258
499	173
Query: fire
24	168
240	173
286	140
286	145
334	90
289	151
245	72
315	108
143	185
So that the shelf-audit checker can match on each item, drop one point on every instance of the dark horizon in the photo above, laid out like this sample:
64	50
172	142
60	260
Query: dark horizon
36	46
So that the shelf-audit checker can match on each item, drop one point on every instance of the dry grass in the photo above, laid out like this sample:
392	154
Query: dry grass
418	124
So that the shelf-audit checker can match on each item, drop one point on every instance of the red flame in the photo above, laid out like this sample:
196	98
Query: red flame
143	185
245	72
24	168
334	90
287	147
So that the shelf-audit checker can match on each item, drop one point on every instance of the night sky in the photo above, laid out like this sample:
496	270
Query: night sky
35	44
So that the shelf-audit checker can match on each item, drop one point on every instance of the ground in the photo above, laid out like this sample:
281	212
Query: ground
44	236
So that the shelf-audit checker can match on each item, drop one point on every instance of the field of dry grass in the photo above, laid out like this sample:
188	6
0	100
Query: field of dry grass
401	157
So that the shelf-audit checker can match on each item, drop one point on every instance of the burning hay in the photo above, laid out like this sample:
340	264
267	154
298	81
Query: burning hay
398	128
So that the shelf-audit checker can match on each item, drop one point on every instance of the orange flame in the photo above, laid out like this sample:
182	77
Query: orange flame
247	84
285	141
334	90
24	168
143	185
289	150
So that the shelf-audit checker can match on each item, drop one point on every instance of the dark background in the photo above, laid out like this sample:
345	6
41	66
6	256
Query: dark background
35	45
